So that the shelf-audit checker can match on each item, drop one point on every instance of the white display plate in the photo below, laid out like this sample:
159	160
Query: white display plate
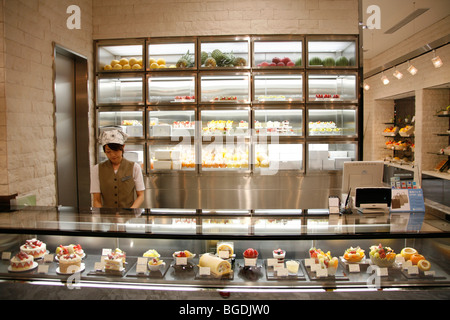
35	265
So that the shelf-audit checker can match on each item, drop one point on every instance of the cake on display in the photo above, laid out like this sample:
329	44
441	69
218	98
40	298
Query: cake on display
22	262
155	264
115	261
218	266
69	263
35	248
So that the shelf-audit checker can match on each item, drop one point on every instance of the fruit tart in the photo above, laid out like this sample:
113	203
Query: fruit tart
353	255
325	260
382	256
183	254
250	253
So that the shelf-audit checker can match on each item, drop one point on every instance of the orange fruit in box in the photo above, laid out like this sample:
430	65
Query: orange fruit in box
415	258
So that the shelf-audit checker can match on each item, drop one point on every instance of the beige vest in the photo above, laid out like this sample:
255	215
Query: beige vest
117	189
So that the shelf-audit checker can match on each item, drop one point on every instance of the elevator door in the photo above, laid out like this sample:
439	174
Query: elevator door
66	131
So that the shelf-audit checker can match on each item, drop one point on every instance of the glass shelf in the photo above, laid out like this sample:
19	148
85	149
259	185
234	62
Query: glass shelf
172	157
220	156
323	156
225	122
224	54
271	158
170	89
332	53
225	88
270	88
131	122
278	122
331	122
277	54
332	88
163	56
121	89
171	123
119	57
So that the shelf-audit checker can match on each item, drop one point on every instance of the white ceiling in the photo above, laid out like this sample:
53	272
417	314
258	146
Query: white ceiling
376	41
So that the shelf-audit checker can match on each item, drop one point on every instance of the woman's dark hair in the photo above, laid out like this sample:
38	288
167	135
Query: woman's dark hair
114	147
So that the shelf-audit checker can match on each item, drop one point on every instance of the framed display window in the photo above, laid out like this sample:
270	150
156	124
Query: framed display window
332	53
172	157
120	56
332	122
130	121
282	122
330	156
171	54
225	88
120	89
327	87
171	123
272	54
224	53
171	89
277	88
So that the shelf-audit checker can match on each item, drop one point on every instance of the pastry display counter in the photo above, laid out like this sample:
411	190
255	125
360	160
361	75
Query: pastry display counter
283	250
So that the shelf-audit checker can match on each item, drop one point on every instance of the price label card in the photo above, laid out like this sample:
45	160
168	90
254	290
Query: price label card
49	257
315	267
142	260
429	273
102	258
354	267
224	254
43	268
407	264
181	261
382	272
413	270
282	272
141	268
399	259
6	255
204	271
309	262
272	262
105	252
250	262
322	273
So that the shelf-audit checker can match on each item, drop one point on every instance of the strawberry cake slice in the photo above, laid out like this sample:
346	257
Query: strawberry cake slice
35	248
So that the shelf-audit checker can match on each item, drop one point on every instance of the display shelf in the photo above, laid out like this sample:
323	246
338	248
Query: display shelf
120	56
337	53
224	52
330	156
171	88
224	88
327	88
271	158
277	88
218	156
225	122
332	122
120	89
130	120
171	123
172	54
172	157
275	53
282	122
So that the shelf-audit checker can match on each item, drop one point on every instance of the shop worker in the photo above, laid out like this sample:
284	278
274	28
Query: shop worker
116	182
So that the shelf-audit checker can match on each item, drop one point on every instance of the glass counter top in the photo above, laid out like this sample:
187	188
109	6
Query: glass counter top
188	223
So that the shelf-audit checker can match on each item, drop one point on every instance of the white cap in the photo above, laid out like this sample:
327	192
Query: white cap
112	136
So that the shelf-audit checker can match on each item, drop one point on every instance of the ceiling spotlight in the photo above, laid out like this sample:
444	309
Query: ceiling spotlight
385	80
366	86
437	62
411	69
397	74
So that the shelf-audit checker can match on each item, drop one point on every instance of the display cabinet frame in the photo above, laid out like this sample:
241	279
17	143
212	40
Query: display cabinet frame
171	40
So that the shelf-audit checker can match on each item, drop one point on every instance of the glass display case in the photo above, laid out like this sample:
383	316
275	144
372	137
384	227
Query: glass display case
228	122
172	157
132	152
332	88
283	122
332	122
163	55
277	53
120	56
120	89
288	247
276	87
171	89
220	155
225	88
130	121
272	157
330	156
332	53
171	123
218	53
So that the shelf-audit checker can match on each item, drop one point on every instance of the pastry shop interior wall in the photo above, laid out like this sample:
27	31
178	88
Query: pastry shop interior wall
31	161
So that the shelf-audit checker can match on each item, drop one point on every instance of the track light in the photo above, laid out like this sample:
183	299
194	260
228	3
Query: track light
366	86
437	62
385	80
411	69
397	74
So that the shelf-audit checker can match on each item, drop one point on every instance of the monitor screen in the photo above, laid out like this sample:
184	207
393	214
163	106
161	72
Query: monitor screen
362	174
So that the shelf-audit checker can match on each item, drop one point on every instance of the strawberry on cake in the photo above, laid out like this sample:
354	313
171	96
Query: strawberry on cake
34	247
70	249
21	262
